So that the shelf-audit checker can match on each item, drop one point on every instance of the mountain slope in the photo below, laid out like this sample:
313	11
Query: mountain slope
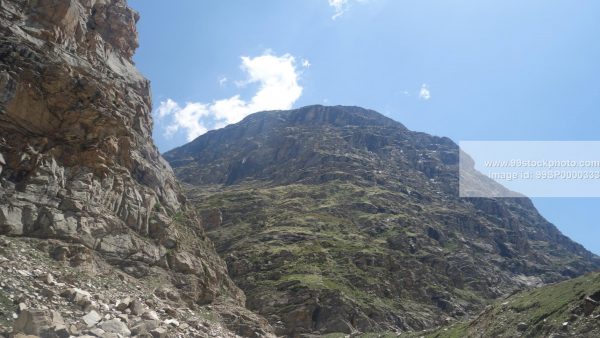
78	169
336	219
566	309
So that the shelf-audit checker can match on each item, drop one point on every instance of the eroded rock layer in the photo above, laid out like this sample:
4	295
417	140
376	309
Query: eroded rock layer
77	162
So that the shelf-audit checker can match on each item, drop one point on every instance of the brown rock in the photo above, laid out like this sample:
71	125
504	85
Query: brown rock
589	305
34	322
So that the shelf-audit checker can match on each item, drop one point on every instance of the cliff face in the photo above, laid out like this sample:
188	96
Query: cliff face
340	219
77	162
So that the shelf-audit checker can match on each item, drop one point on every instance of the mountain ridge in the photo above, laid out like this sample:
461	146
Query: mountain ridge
357	221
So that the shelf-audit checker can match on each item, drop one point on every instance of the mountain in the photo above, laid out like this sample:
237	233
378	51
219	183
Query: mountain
87	203
566	309
339	219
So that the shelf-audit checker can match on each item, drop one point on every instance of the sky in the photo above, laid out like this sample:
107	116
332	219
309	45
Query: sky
469	70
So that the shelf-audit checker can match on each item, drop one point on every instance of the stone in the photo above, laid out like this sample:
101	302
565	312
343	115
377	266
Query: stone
98	332
48	293
91	318
151	315
34	322
589	305
137	308
123	317
11	220
171	322
48	279
123	304
60	331
522	326
159	332
74	330
170	311
78	296
151	324
115	326
138	329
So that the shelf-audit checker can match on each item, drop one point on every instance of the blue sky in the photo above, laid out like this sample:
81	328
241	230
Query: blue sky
469	70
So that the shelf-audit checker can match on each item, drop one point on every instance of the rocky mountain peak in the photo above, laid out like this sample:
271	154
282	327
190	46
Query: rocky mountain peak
312	143
318	115
357	222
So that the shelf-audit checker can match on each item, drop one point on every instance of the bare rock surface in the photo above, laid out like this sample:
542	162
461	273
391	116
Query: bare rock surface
115	302
77	164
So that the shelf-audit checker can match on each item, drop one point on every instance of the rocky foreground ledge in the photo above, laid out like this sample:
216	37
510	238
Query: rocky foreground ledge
44	294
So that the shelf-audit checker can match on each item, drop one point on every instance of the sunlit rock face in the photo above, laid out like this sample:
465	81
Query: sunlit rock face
77	162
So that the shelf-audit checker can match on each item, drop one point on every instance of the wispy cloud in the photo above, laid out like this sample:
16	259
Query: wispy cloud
424	93
277	77
342	6
339	7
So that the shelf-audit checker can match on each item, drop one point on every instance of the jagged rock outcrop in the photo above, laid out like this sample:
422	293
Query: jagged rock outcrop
338	219
77	162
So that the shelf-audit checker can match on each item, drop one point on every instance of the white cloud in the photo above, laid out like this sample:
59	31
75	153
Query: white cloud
305	63
277	77
188	118
339	7
223	81
342	6
166	108
424	93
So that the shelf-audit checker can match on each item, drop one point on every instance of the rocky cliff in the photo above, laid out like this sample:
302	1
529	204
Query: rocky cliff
338	219
78	168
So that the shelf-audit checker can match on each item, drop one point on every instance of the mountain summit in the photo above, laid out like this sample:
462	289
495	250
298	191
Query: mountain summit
337	219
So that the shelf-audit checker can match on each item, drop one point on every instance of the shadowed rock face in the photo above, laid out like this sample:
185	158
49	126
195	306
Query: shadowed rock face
334	219
77	162
76	127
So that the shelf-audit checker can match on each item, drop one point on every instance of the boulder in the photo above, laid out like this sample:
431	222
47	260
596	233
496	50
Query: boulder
150	315
11	220
92	318
589	305
159	332
137	308
115	326
123	304
78	296
35	322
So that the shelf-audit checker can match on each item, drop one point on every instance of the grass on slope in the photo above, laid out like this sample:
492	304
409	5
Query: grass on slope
540	312
536	313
